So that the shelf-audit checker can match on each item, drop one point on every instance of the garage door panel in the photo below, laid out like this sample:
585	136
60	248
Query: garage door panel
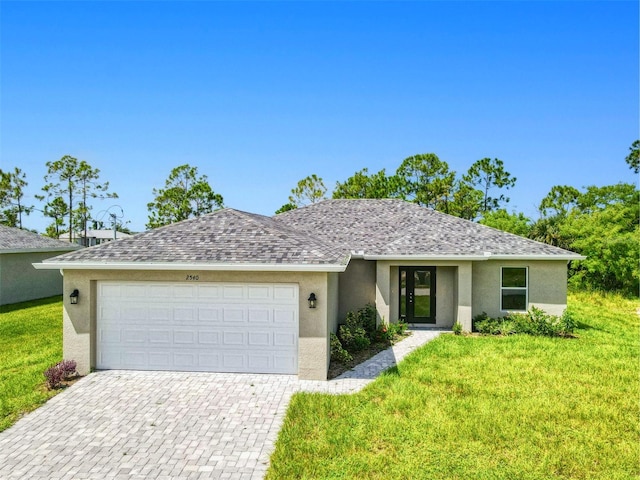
284	317
184	337
132	335
209	361
259	315
208	315
209	292
285	292
198	327
208	338
233	292
109	335
284	363
110	291
184	291
159	360
234	361
160	337
281	339
158	291
233	338
260	339
161	314
185	359
259	361
259	293
133	314
233	314
131	358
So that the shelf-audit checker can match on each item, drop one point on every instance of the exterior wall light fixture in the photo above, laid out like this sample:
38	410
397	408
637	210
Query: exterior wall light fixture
312	300
74	297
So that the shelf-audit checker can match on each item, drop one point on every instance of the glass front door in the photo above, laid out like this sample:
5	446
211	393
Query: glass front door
418	294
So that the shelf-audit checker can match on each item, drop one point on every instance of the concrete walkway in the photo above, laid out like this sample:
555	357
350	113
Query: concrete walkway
168	425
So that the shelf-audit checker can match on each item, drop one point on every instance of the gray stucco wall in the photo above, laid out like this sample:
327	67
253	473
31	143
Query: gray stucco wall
333	288
357	286
20	282
445	296
79	321
547	285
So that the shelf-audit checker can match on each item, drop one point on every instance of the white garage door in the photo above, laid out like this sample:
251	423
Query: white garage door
210	327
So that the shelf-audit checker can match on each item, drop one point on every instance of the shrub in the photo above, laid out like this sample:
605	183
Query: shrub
54	377
477	319
60	371
389	332
457	328
338	353
533	322
568	324
353	338
368	317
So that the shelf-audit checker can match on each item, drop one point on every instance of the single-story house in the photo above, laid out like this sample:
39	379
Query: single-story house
94	237
19	250
233	291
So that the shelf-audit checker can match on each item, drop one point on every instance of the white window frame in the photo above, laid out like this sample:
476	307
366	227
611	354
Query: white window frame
525	288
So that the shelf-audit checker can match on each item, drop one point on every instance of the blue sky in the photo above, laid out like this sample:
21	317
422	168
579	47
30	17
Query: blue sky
260	95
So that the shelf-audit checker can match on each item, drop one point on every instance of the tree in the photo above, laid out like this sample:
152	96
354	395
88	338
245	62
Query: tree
466	201
633	159
67	180
285	208
486	174
425	180
600	223
185	195
363	185
515	223
309	190
559	201
55	209
12	186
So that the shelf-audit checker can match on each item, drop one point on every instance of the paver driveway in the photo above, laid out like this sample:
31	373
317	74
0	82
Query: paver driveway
167	425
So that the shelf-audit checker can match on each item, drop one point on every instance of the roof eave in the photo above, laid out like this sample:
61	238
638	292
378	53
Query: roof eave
40	250
242	267
476	258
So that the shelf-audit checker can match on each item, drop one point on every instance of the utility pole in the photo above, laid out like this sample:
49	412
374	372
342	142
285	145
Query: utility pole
113	219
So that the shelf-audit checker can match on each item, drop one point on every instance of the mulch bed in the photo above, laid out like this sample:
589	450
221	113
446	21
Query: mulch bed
337	368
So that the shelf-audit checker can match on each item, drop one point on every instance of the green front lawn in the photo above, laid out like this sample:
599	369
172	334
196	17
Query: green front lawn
514	407
30	342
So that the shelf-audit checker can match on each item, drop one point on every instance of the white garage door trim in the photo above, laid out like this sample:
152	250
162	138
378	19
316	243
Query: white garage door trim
212	327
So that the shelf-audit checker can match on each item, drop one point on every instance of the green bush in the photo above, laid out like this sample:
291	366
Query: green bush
338	353
353	338
457	328
368	317
533	322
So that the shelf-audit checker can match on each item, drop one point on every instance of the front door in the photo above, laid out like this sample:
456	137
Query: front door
418	294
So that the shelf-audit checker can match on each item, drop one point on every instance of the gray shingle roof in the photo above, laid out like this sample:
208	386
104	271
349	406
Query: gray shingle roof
227	236
325	233
395	227
16	240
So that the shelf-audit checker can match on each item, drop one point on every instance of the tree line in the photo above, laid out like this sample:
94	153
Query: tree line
601	223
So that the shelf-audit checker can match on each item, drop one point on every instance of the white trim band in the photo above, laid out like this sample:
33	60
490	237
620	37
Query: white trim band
243	267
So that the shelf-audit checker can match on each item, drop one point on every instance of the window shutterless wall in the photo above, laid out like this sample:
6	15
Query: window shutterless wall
546	283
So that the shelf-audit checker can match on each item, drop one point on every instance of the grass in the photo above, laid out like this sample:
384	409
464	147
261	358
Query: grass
30	342
515	407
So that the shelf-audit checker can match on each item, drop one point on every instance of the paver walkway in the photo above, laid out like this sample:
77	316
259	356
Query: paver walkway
168	425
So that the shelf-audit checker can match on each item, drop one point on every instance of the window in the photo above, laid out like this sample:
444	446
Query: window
514	288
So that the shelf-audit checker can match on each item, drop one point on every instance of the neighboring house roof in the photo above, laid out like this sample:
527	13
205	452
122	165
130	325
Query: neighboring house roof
15	240
106	234
223	239
392	228
320	237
